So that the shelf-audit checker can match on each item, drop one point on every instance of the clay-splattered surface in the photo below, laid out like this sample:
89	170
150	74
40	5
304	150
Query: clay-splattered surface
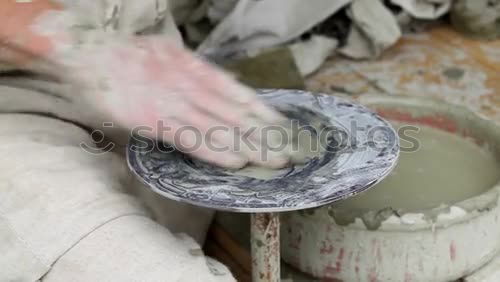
439	63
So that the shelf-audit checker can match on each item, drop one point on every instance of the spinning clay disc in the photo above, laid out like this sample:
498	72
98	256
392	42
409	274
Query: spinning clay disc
360	150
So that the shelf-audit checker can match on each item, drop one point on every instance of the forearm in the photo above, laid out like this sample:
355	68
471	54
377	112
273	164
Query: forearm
20	44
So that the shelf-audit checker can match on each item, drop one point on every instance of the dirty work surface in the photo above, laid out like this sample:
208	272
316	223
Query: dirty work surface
439	63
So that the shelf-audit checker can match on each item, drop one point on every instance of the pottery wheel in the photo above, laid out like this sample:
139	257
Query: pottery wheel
363	152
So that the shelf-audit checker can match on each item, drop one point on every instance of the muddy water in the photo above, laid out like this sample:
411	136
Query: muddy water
445	169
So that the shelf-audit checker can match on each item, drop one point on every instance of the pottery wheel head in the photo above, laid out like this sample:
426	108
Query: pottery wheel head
361	149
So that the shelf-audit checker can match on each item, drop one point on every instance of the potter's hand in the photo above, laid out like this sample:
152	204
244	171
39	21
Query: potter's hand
145	82
153	84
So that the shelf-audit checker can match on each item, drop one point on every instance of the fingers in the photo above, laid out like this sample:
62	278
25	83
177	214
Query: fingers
207	90
220	84
232	139
227	88
191	143
144	86
195	76
16	30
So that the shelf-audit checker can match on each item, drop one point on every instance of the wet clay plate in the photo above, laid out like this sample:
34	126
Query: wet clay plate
361	152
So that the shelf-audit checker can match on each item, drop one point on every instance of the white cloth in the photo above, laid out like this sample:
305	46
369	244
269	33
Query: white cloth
65	216
424	9
246	27
309	55
219	9
253	25
133	248
374	29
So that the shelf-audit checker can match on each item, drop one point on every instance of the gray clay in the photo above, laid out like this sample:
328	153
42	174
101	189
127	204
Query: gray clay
363	149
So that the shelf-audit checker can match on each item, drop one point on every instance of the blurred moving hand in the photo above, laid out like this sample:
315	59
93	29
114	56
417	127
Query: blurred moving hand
152	83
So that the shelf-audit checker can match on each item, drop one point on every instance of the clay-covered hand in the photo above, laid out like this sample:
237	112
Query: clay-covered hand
147	83
155	85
